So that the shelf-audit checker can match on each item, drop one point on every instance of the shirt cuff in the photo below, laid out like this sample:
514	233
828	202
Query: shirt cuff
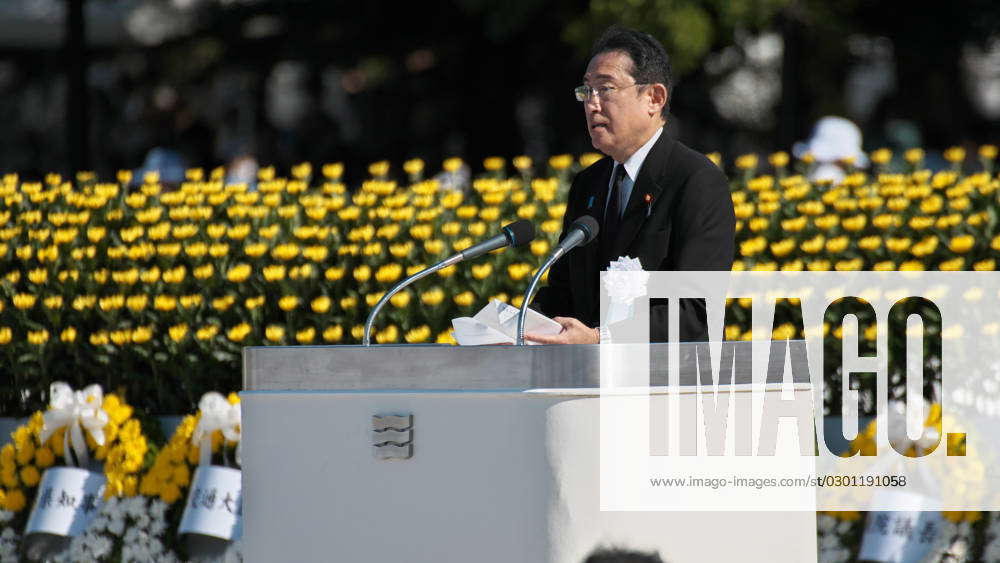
605	334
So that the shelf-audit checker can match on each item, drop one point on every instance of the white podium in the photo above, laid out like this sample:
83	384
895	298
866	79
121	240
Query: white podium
494	458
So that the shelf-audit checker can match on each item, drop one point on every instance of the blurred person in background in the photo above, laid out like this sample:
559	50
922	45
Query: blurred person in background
835	146
619	555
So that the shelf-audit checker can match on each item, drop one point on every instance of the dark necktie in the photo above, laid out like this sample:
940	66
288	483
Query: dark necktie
612	214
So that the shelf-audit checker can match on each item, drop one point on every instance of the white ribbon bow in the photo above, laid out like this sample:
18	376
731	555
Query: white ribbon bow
70	409
216	414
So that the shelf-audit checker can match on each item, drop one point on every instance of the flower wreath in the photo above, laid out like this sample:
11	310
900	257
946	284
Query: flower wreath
210	436
217	425
80	428
956	536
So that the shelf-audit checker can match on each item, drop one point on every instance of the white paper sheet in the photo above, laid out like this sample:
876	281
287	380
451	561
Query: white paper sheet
496	323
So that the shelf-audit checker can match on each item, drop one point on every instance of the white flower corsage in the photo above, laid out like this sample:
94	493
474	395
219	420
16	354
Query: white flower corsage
624	282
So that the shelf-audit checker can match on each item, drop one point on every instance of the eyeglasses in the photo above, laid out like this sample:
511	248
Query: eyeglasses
585	93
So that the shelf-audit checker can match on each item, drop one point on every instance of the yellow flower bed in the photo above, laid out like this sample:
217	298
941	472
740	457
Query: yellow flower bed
165	287
877	221
159	290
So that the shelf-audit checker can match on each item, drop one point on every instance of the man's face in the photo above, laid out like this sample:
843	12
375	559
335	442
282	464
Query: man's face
624	118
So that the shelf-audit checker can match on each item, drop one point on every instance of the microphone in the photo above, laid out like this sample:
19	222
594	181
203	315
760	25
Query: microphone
518	233
515	234
580	233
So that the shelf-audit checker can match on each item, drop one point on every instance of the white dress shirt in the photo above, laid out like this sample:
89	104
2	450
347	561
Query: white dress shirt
632	166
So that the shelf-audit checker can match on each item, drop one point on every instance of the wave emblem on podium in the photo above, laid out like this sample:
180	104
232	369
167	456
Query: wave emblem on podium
392	436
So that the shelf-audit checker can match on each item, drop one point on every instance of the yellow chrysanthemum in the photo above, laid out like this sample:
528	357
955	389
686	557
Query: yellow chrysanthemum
400	300
387	335
432	297
239	332
746	162
306	335
333	333
288	302
68	335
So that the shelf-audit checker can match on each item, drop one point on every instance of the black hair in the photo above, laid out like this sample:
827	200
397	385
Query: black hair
618	555
650	61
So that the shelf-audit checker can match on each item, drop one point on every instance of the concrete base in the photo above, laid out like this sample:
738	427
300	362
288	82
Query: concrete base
494	477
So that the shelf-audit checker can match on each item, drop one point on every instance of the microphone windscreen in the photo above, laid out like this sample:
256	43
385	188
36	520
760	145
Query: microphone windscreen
519	232
588	226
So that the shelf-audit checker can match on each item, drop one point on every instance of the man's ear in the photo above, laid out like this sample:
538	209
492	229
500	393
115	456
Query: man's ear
657	97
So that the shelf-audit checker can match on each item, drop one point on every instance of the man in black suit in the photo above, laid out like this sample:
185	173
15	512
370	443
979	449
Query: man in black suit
655	199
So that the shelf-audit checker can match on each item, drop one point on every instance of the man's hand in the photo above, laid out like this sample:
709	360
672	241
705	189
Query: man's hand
573	332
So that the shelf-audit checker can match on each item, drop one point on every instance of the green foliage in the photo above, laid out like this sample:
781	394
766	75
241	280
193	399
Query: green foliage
687	28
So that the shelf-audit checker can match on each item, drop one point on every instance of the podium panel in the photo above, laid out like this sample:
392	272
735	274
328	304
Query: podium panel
491	455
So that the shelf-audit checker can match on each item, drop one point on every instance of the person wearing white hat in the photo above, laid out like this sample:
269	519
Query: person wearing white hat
834	141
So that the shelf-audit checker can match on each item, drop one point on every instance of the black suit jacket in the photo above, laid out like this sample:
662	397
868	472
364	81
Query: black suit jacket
690	226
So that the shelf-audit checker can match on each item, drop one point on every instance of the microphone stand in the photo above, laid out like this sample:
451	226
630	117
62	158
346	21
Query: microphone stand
366	341
530	293
514	234
583	230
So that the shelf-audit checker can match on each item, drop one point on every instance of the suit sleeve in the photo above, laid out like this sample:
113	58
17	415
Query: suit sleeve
705	230
705	223
555	298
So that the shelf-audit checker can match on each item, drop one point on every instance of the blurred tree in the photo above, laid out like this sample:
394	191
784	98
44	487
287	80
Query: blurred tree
928	49
689	29
383	79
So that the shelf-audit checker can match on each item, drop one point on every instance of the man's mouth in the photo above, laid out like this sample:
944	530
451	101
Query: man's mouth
597	126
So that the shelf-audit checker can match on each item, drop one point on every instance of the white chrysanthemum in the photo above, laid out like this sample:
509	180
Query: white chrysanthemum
943	542
157	527
100	546
959	548
117	526
991	551
99	523
829	541
841	555
158	509
9	542
625	280
233	553
155	545
135	524
136	507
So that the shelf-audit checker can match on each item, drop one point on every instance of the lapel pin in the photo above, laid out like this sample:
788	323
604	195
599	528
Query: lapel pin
649	204
590	203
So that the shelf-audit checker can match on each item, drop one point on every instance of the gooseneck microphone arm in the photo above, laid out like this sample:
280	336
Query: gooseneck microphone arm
514	234
579	233
531	292
450	261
